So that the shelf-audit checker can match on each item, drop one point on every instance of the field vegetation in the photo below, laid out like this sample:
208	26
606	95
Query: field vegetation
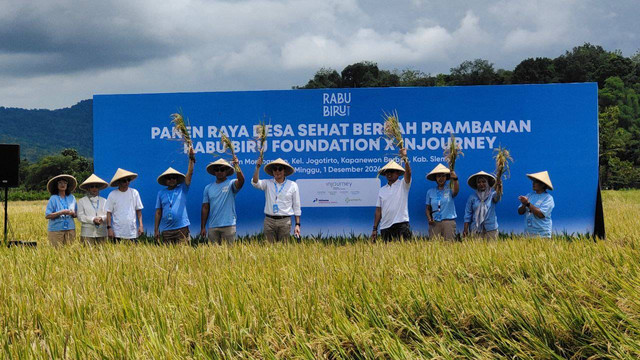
512	298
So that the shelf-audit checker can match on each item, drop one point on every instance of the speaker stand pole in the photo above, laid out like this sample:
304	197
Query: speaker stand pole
6	215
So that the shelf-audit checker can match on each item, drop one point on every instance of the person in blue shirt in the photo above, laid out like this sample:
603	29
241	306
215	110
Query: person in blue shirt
61	210
171	218
537	206
480	212
218	214
440	209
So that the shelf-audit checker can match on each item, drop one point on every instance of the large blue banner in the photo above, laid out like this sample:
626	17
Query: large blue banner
334	139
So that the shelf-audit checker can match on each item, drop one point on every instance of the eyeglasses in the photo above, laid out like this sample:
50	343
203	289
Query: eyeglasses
278	168
126	180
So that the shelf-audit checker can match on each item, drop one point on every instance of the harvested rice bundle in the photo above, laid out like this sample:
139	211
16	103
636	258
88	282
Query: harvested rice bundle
392	130
181	125
451	154
502	157
261	139
227	143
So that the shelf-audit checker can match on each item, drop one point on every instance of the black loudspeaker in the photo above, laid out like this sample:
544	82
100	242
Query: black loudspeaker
9	165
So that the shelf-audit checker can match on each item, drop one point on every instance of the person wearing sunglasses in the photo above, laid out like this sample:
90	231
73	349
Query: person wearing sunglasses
92	213
124	207
218	213
61	209
171	218
392	211
282	200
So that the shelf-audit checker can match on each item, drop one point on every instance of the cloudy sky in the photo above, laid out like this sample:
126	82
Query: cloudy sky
56	53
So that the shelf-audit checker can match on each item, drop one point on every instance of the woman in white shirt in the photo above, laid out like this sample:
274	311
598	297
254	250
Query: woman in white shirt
92	213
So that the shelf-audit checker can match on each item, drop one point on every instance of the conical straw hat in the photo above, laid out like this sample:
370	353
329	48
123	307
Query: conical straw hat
439	169
93	179
52	185
543	177
162	179
473	179
391	165
121	174
220	162
288	169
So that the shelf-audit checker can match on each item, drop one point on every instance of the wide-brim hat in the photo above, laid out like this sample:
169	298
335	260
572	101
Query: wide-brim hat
439	169
93	179
162	179
121	174
220	162
288	169
391	165
473	179
543	177
52	185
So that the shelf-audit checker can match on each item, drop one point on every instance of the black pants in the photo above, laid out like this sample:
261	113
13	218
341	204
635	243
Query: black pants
396	231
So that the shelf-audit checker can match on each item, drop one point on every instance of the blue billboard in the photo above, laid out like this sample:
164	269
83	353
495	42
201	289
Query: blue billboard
334	139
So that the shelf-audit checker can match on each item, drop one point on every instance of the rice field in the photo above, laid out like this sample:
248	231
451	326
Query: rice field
511	299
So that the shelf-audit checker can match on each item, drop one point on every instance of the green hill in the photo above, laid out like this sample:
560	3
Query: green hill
42	132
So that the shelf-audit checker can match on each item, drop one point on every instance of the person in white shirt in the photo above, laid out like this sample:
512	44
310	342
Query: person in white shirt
92	213
282	200
392	211
123	207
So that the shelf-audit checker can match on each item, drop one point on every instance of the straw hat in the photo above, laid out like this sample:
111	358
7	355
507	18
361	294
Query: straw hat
52	185
162	179
543	177
473	179
439	169
121	174
288	169
93	179
220	162
391	165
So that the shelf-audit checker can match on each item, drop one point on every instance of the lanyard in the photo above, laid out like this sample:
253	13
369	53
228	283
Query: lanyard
275	185
63	202
172	198
95	207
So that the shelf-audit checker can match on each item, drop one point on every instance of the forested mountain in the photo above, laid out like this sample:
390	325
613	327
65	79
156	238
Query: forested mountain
42	132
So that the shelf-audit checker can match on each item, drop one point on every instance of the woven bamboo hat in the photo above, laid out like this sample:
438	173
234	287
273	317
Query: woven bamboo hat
52	185
439	169
93	179
288	169
121	174
220	162
391	165
543	177
473	179
162	179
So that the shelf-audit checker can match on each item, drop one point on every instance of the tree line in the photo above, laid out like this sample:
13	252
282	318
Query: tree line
618	79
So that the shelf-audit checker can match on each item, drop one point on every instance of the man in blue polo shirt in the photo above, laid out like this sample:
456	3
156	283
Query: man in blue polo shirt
218	214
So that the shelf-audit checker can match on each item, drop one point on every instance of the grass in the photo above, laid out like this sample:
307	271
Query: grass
514	298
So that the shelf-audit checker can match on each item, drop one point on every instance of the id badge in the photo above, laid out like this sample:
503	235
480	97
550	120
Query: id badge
529	221
65	224
275	208
169	216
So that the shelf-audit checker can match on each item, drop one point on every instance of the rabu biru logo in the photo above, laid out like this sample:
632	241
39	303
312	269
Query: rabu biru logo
336	104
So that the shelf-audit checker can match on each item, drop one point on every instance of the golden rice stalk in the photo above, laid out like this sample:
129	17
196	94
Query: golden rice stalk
392	129
261	139
451	153
227	143
502	157
181	125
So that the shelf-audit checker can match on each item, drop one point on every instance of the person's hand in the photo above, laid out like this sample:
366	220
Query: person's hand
235	161
111	233
97	220
65	212
431	222
203	232
403	153
453	174
523	199
156	235
140	230
259	162
296	231
374	234
192	154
